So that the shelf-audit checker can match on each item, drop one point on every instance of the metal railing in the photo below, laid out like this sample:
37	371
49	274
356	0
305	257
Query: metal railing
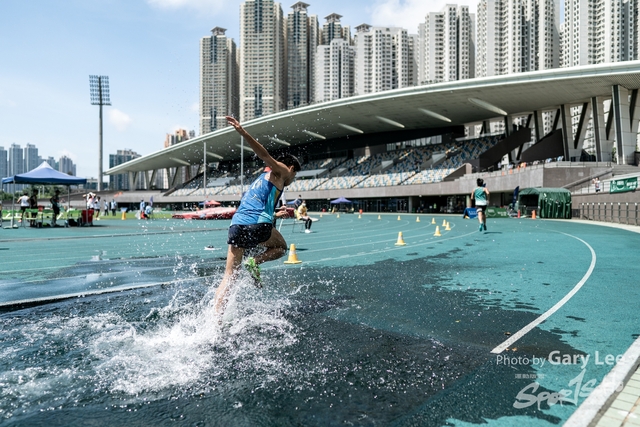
616	212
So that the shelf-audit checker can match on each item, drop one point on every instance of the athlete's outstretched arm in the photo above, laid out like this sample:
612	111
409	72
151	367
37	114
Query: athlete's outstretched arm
276	166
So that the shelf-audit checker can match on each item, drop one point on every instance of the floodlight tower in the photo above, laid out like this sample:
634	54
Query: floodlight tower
99	88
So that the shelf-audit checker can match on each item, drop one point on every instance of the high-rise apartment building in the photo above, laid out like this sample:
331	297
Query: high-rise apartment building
516	36
180	135
302	36
545	50
121	181
333	29
335	61
15	164
219	79
52	162
16	160
66	165
262	59
4	165
385	59
596	32
335	70
445	45
30	157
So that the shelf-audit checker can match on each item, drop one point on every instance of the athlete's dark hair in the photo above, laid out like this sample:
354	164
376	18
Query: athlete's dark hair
480	181
290	160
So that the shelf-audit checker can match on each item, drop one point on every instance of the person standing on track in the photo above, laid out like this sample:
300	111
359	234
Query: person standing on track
252	224
24	203
481	195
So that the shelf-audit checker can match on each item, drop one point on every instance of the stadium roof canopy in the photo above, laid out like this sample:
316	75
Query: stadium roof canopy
420	109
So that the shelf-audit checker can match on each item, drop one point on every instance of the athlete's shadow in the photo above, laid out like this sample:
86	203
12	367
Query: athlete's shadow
493	232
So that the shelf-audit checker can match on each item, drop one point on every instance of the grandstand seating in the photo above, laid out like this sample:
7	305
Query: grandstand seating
409	166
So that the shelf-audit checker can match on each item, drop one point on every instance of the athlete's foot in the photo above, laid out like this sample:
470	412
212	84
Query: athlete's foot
307	231
252	267
485	227
480	228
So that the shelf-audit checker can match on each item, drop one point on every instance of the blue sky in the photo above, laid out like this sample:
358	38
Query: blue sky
149	50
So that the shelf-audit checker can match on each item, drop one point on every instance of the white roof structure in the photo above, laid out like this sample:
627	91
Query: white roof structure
422	108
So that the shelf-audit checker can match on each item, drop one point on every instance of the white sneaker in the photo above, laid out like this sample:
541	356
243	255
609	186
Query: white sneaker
307	231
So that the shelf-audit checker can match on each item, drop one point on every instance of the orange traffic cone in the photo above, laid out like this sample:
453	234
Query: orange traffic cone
518	213
293	256
359	216
437	233
400	241
338	216
447	228
124	215
533	214
433	220
398	217
417	219
444	222
378	216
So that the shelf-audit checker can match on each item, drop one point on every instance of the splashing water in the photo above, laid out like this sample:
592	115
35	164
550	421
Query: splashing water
138	348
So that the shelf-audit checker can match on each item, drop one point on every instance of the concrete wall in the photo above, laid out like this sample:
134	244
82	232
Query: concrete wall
561	176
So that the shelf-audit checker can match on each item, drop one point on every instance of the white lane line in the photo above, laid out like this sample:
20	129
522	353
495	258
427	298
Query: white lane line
603	395
522	332
123	288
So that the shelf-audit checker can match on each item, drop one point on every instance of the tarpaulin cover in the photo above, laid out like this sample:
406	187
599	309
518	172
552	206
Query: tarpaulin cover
547	202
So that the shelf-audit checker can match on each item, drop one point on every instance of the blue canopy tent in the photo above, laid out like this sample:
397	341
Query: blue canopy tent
43	174
340	200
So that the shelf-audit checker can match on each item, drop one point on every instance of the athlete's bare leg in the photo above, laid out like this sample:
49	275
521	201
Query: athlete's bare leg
234	258
276	247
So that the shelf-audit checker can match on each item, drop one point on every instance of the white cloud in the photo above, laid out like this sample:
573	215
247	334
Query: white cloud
409	13
119	119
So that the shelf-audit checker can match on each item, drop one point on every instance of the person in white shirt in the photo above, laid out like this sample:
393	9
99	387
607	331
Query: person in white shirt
96	207
302	216
24	203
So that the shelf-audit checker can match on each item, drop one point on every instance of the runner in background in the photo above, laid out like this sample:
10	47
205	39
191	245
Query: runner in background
480	196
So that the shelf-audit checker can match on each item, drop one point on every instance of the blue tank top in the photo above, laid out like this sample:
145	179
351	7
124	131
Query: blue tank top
258	204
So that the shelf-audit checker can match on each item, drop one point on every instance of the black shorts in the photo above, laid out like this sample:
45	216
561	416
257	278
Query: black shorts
480	208
249	236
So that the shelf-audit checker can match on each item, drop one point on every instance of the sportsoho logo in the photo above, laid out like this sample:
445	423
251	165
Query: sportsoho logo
577	387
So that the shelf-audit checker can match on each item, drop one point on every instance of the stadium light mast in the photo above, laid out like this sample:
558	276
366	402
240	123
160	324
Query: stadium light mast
99	89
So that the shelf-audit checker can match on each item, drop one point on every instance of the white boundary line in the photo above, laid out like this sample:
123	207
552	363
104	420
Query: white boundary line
54	298
43	300
605	393
522	332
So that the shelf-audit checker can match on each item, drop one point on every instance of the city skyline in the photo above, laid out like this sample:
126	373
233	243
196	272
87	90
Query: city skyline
152	61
